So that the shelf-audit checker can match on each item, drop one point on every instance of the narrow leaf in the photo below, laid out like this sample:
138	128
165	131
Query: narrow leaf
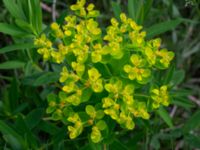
11	29
14	9
12	65
162	27
193	122
48	127
34	117
165	116
193	141
177	77
15	47
116	9
132	8
12	136
48	77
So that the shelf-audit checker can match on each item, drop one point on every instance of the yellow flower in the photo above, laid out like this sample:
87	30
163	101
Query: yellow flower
74	118
90	110
69	87
123	18
79	44
97	86
55	26
90	7
45	52
93	74
114	22
74	99
64	74
114	87
165	57
42	41
79	68
160	96
57	56
107	102
78	5
112	113
139	109
92	27
76	130
97	53
129	123
151	56
96	135
138	71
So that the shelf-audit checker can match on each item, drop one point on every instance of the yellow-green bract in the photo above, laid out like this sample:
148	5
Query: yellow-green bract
102	75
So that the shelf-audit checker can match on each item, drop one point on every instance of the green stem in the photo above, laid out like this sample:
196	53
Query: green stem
104	147
108	70
141	95
147	139
29	55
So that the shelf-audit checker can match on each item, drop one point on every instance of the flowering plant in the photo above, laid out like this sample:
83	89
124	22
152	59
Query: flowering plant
105	77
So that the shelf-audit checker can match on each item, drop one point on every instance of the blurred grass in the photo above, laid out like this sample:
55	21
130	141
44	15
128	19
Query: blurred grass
23	122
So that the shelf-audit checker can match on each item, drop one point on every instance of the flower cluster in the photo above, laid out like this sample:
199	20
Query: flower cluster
103	75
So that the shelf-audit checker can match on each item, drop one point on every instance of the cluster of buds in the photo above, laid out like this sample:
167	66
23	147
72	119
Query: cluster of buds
103	75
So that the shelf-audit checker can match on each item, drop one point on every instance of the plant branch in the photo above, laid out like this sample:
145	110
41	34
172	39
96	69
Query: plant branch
54	10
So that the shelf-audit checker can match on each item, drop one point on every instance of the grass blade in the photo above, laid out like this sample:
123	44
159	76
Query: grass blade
162	27
15	47
12	65
165	116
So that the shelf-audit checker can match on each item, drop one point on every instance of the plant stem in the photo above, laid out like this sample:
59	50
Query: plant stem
108	70
141	95
104	147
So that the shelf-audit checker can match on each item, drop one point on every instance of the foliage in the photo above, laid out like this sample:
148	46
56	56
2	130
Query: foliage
26	80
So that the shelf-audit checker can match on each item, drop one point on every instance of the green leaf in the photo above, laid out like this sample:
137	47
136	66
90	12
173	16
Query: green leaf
46	78
53	97
48	127
177	77
14	94
26	132
12	137
86	94
155	143
162	27
116	9
165	116
101	125
37	17
20	108
14	9
90	110
99	114
169	75
132	143
147	7
25	26
193	141
11	29
34	117
182	102
117	145
12	65
140	13
192	123
15	47
59	138
30	80
132	8
30	12
12	141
